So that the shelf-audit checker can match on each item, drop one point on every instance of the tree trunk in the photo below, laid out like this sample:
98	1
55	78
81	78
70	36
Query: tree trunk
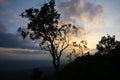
56	59
56	64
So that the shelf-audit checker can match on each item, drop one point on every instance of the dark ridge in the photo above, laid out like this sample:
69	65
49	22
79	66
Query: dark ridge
93	67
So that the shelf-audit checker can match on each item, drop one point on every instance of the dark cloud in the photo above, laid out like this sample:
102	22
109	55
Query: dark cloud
9	40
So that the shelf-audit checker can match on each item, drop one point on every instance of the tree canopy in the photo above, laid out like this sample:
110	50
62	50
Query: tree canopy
106	44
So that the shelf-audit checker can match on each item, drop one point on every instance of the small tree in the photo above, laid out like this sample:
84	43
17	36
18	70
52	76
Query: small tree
69	56
82	47
106	44
43	26
78	50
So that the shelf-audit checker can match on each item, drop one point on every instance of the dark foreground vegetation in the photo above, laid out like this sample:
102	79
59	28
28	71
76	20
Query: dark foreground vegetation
104	65
93	67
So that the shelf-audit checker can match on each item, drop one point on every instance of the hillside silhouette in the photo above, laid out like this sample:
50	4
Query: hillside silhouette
94	67
90	67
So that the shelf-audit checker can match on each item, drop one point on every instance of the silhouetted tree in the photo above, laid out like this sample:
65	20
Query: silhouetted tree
69	56
43	26
82	47
106	44
78	49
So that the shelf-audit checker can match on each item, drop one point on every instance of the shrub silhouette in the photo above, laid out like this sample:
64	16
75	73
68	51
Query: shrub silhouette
106	44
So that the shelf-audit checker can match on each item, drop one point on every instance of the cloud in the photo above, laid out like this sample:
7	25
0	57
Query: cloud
81	10
22	51
12	45
84	15
3	2
9	40
18	53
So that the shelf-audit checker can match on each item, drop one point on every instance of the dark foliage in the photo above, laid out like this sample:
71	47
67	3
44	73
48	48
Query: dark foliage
94	67
78	49
106	44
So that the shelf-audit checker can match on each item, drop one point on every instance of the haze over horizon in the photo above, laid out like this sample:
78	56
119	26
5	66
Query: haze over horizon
94	18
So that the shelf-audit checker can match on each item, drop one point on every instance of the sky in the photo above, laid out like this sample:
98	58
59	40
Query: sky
94	18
